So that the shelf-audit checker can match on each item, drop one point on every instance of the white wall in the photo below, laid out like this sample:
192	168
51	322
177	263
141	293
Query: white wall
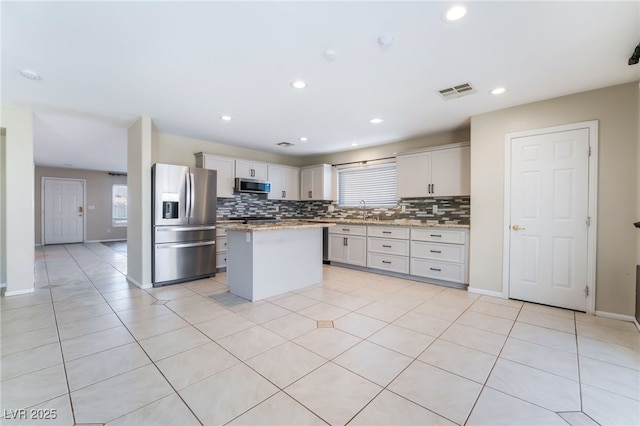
139	203
390	149
181	150
616	109
3	212
18	200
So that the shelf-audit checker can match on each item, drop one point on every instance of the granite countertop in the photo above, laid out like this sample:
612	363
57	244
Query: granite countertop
393	222
233	225
273	226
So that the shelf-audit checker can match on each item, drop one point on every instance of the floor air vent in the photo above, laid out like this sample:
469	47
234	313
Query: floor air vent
457	91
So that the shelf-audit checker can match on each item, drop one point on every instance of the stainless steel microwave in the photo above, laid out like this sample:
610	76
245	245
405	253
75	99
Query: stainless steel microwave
256	186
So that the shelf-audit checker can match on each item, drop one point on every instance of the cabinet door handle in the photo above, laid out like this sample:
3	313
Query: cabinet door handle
436	269
309	194
386	261
385	246
436	235
346	241
253	172
386	232
346	229
284	194
435	251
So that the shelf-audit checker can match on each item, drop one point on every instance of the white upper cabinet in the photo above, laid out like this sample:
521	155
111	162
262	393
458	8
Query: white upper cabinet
225	167
251	169
285	182
316	183
438	172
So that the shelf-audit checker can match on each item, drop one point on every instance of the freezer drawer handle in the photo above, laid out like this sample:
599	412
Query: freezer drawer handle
166	246
436	269
185	228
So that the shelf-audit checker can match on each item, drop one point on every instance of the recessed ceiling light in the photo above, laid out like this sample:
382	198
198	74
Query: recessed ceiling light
225	118
498	91
298	84
303	139
376	120
454	13
30	74
354	144
385	40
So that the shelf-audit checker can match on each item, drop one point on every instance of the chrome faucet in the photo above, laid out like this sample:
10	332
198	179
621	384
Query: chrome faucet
363	205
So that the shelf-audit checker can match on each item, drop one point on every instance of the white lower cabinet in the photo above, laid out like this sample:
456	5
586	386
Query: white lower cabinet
221	248
388	248
348	244
440	254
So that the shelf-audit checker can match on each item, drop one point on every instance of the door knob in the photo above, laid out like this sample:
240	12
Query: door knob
517	228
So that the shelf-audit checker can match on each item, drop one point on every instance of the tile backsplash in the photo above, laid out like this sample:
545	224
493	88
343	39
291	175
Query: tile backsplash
447	209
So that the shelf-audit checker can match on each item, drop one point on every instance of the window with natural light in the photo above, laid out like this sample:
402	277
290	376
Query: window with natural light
375	184
119	203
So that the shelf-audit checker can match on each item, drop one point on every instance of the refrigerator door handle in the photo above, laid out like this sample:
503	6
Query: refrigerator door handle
184	228
192	195
200	244
187	196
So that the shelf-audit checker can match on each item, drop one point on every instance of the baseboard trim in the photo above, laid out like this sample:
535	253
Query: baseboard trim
137	284
105	241
484	292
19	292
611	315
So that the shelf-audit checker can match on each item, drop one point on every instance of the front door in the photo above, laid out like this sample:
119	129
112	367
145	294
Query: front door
63	211
549	218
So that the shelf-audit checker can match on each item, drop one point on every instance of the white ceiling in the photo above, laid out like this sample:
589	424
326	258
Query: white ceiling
184	64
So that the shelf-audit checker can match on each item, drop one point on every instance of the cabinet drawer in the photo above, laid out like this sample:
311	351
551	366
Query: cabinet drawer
436	251
438	235
221	232
388	232
348	229
221	260
221	244
384	245
388	262
439	270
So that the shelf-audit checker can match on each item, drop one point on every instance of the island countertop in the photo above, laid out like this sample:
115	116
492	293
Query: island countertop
274	226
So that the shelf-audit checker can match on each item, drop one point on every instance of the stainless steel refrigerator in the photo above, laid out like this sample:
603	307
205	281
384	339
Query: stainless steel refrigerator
184	223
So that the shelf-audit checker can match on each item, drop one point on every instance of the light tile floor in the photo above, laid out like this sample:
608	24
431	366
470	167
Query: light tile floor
88	347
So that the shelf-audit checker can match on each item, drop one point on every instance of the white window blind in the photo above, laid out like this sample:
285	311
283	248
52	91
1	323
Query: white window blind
375	184
119	204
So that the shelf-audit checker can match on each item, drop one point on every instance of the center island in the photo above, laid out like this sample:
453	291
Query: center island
265	260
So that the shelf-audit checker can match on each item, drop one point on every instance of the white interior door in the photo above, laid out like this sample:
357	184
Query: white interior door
63	211
549	220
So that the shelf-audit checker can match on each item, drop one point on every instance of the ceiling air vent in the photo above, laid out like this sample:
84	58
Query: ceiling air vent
457	91
284	144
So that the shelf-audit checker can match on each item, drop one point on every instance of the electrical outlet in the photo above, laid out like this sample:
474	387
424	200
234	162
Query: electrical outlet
403	209
308	208
277	208
435	208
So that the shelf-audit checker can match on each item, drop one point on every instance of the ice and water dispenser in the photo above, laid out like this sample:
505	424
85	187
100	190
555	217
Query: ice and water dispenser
170	206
